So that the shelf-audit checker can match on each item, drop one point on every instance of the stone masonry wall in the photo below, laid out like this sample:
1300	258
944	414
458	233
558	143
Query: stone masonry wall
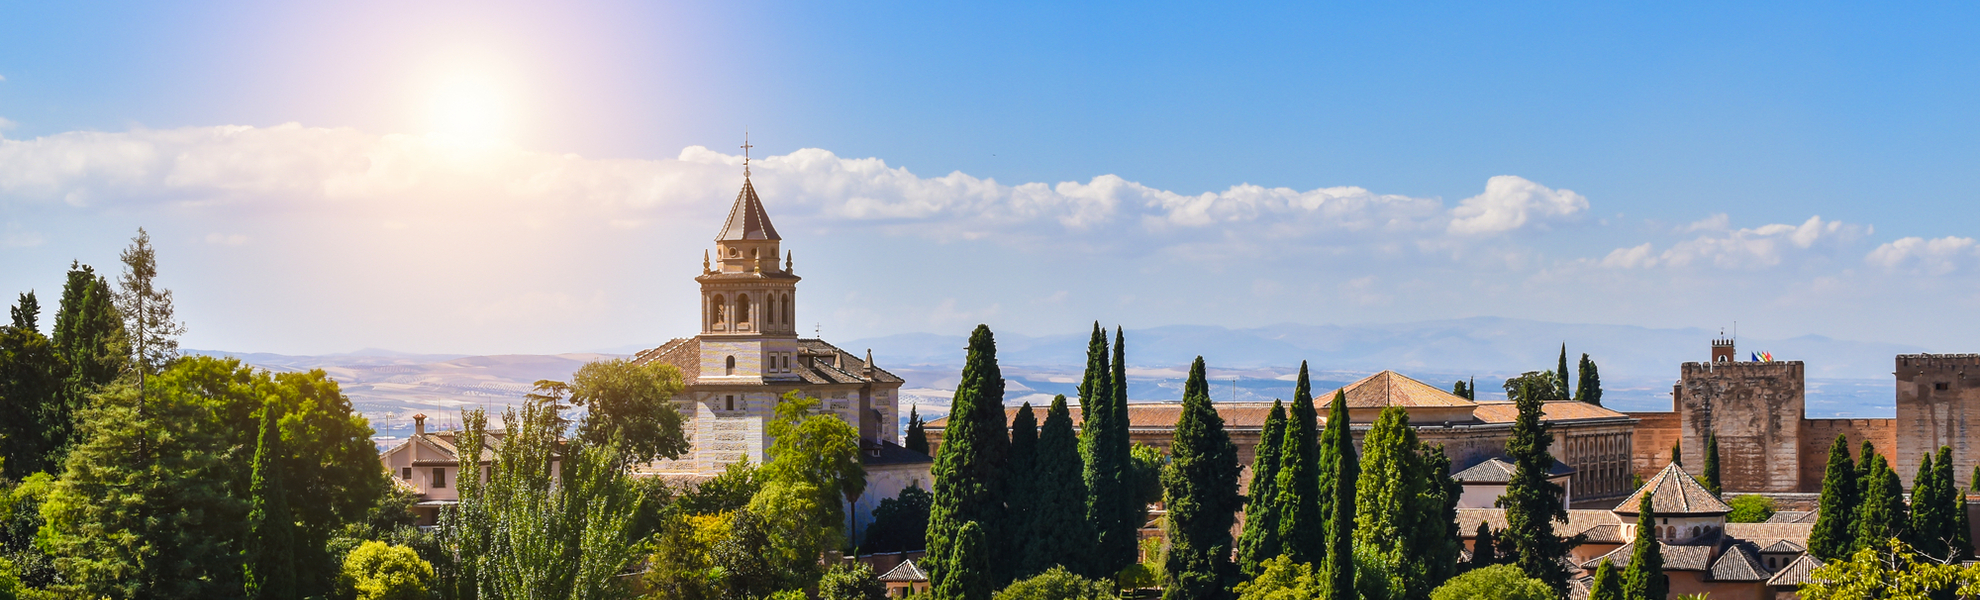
1756	411
1938	401
1656	432
1818	434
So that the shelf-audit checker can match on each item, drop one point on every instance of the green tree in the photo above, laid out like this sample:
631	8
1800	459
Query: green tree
1400	499
1060	534
1483	548
1711	470
728	492
147	311
380	571
34	415
970	464
968	564
1957	532
89	337
1927	519
271	540
1497	582
1461	390
20	522
917	432
1532	502
813	469
1677	458
1562	389
1645	578
1889	569
631	405
1057	583
1835	518
1260	541
1973	483
1105	444
1881	514
1540	385
1020	489
854	581
743	560
1866	469
1280	578
1750	508
1200	486
1339	471
1302	533
900	523
1607	584
1588	387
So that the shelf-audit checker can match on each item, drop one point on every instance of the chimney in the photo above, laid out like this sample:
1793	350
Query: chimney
419	424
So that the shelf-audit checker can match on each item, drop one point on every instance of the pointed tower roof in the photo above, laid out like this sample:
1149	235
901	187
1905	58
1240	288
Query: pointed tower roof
747	221
1677	494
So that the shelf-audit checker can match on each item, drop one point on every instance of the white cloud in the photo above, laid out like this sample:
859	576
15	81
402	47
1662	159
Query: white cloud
1933	257
1511	202
1758	247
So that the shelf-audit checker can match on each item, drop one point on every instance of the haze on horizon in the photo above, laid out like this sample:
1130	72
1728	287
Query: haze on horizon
492	178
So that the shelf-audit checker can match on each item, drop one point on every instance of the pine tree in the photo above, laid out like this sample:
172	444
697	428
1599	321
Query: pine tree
34	416
147	311
1400	499
1260	540
1711	471
1881	515
1645	579
1866	469
1301	533
1339	470
1483	548
1110	502
1460	390
1533	502
1835	518
1562	391
917	432
970	465
969	576
1607	584
1200	487
89	337
271	567
1060	534
1589	388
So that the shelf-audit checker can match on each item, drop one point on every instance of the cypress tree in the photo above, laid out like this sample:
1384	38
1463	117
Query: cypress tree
1881	515
1339	470
1260	540
1562	391
271	565
1483	549
1927	531
970	465
1458	389
969	575
1060	534
917	432
1301	535
1953	504
1109	498
1645	579
1973	483
1200	486
1399	504
34	420
1589	388
1677	458
1020	489
1712	463
1835	518
1532	502
1866	469
1607	584
89	336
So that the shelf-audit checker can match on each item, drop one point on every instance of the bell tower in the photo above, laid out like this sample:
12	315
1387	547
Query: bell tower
748	299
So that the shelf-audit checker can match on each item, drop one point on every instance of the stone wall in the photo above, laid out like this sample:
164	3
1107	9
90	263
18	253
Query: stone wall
1755	409
1936	401
1656	432
1818	434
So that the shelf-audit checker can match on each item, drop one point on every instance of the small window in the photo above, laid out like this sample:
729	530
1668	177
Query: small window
731	366
439	477
732	403
405	473
1941	386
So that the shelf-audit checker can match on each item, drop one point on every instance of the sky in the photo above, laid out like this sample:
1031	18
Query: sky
501	177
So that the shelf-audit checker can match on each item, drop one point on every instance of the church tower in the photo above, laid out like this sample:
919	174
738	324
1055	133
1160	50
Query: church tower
748	299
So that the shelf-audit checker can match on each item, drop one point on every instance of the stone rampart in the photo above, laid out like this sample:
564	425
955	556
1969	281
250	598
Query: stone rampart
1938	404
1818	434
1755	409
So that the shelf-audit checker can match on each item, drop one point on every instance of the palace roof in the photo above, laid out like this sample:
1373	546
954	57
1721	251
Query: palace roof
1497	470
1389	388
1797	572
1676	494
747	220
819	363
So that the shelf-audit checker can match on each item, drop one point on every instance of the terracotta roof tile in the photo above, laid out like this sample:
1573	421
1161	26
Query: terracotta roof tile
1497	470
1793	516
1676	494
1736	565
1578	521
1389	388
1795	573
1784	547
1559	410
906	571
1766	534
1676	558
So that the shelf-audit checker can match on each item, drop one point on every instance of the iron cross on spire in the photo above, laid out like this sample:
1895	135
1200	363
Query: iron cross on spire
745	149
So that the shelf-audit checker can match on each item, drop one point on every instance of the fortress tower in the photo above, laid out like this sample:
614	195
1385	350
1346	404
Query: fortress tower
1938	395
1755	409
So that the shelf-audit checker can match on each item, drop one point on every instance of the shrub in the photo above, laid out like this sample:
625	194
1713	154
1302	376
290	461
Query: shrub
1056	583
381	571
851	582
1750	508
1496	582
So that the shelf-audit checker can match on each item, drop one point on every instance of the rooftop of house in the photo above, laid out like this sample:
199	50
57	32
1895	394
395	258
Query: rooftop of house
1497	471
906	571
1675	493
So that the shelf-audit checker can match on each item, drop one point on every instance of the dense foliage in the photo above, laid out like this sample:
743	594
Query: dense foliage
970	465
1498	582
1645	578
1110	505
1302	532
1404	507
1835	518
380	571
1056	532
1750	508
900	523
1056	583
1201	488
630	405
1260	540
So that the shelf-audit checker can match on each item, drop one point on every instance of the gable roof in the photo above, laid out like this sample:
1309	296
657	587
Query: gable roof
1676	558
1389	388
1784	547
1797	572
1676	493
906	571
747	220
1793	516
819	363
1496	470
1736	565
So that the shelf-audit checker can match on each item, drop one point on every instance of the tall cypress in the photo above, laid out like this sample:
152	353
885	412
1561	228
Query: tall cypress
271	564
1108	496
34	416
1059	534
1562	391
971	463
1953	504
1881	515
917	432
1200	487
1260	540
1020	490
1458	389
1484	551
1677	458
1711	471
969	575
1607	584
1532	502
1866	469
1589	387
1645	579
1339	470
89	336
1835	517
1927	531
1973	483
1302	535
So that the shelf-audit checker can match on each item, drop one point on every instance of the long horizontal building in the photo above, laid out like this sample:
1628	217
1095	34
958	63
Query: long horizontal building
1594	442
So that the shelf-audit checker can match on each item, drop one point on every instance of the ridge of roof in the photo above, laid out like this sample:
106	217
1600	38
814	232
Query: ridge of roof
1389	388
1675	492
747	219
1797	572
906	571
1736	565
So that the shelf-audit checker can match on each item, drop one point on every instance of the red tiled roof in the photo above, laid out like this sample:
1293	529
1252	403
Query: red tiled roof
1558	410
1676	494
1389	388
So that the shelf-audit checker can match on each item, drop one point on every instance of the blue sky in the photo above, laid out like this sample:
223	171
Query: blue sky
481	177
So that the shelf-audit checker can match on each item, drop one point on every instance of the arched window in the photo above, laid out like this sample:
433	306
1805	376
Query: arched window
742	308
774	312
731	367
789	312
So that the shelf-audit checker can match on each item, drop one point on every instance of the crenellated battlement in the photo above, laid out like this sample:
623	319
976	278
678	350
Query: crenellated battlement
1932	361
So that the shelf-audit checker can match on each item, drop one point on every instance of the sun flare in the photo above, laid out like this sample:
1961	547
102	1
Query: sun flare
469	106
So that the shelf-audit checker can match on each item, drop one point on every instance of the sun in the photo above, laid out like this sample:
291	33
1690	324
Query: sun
469	106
